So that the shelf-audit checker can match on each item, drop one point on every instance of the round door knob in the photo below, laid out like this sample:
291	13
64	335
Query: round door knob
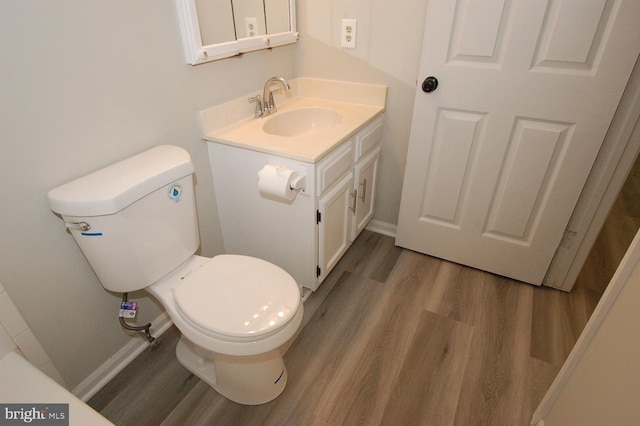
430	84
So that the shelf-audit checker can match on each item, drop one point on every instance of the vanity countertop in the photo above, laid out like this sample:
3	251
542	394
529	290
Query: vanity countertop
357	105
310	147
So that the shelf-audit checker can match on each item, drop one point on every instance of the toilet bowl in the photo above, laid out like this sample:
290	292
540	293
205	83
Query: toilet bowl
234	313
136	223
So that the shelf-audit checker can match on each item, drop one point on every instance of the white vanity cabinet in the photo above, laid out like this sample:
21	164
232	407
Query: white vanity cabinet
346	207
308	236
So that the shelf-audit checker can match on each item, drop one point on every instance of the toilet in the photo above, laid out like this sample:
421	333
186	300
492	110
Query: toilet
136	223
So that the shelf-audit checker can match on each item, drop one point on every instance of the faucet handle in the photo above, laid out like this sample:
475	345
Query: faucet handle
271	102
258	100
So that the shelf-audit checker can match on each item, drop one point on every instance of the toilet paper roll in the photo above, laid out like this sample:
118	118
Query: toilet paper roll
274	182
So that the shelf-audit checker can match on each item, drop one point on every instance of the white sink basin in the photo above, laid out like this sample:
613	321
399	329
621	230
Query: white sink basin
305	128
301	121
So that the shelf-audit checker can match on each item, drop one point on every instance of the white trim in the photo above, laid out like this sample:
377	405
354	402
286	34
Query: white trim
107	371
189	29
383	228
616	157
618	282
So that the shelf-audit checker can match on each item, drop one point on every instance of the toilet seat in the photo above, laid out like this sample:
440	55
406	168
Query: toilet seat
238	298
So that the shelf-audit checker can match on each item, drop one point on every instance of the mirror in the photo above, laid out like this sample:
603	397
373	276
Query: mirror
217	29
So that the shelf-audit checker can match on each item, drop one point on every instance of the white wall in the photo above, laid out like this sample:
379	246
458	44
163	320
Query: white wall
600	382
389	41
84	84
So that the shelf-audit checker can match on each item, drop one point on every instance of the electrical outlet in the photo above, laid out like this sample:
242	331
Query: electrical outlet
251	27
349	27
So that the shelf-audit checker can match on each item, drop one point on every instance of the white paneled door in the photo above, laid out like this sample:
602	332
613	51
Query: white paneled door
500	150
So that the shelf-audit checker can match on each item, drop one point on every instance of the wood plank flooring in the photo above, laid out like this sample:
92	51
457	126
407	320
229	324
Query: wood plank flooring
394	337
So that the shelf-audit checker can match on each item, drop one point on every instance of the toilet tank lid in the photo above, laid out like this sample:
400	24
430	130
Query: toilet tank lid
111	189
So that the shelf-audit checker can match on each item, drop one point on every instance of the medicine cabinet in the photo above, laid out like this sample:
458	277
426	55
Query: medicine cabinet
217	29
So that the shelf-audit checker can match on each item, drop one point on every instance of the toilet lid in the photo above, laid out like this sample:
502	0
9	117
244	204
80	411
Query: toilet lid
238	296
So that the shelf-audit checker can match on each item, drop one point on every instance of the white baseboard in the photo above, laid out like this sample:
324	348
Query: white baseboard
383	228
107	371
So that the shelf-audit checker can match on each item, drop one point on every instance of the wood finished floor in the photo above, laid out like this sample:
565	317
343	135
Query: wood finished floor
394	337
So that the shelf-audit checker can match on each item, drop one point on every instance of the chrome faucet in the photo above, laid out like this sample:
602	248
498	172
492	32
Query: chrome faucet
269	105
265	105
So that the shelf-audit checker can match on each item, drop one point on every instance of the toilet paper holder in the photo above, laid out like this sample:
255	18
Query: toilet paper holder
280	183
299	182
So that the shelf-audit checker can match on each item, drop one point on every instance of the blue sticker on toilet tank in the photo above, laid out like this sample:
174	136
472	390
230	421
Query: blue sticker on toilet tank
175	192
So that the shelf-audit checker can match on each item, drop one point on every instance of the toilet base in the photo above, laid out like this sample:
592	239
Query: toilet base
248	380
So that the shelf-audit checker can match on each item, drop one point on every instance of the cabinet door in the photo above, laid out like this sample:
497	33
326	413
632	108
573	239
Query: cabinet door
334	227
366	172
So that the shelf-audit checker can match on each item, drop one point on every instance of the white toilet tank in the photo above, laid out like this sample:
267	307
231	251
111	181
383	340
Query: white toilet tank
141	213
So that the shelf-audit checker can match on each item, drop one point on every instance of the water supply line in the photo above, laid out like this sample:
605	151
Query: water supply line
140	329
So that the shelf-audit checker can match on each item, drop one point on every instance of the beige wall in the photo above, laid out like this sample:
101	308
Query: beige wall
389	40
84	84
87	83
600	383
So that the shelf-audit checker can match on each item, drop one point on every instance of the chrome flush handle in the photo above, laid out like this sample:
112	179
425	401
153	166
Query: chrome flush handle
83	226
